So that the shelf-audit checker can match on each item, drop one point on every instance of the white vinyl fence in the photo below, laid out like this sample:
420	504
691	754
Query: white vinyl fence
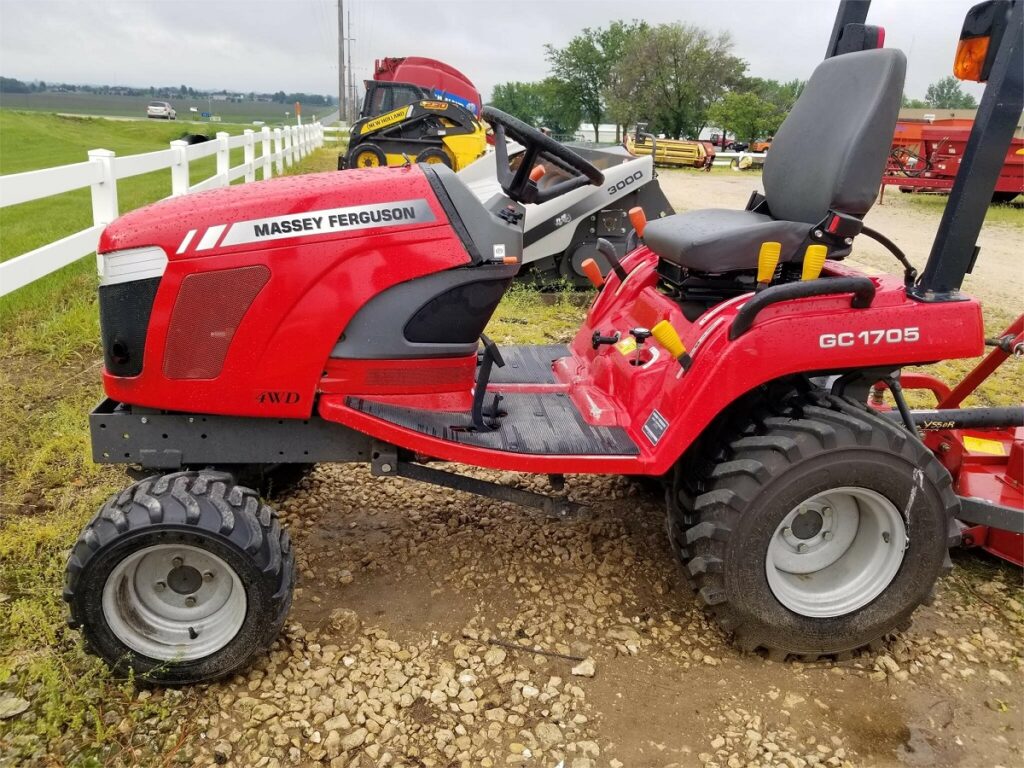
278	148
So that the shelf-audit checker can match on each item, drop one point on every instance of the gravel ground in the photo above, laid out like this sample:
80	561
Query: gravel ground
431	628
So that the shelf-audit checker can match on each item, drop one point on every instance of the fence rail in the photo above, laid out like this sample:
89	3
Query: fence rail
278	149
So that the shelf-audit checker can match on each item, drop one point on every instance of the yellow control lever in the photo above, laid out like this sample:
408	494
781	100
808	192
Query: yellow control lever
767	262
669	339
814	260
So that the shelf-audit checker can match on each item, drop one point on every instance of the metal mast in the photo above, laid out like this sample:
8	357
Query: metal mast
342	90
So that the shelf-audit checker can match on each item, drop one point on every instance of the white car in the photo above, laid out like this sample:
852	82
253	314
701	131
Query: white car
160	110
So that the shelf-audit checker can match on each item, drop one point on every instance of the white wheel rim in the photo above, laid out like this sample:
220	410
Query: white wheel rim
836	552
174	602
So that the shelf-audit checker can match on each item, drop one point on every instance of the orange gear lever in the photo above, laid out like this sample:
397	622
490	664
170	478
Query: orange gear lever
593	271
638	219
537	173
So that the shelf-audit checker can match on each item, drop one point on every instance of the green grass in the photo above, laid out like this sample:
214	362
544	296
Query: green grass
1011	214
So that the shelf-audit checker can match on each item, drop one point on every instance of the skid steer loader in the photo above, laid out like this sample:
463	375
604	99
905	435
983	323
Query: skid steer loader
416	110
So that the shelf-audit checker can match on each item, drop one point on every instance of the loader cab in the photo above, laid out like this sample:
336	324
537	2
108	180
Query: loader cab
382	97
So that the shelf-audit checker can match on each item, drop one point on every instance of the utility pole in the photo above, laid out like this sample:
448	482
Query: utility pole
342	89
351	76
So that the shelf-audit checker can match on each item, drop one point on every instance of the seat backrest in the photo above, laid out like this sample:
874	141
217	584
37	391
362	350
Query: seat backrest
831	150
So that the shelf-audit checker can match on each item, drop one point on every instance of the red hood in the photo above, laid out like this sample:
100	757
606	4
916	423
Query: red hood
312	207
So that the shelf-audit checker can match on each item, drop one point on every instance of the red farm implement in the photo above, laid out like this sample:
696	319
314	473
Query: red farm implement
925	157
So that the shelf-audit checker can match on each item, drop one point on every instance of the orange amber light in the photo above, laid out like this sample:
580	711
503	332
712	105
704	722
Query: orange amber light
970	58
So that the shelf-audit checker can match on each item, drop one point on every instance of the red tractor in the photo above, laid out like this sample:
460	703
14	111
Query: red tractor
730	353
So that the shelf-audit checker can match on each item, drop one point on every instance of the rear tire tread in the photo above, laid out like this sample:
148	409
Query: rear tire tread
812	423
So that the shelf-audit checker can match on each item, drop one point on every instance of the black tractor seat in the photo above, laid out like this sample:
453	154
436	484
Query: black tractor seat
719	240
827	160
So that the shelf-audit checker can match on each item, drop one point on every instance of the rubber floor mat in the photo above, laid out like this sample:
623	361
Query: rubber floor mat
528	364
544	424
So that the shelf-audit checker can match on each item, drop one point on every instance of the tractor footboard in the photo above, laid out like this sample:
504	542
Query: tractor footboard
123	434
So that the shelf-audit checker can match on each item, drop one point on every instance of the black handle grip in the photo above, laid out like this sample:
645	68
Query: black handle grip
862	288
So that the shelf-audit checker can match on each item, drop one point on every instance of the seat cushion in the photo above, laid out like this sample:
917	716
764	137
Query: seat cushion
719	240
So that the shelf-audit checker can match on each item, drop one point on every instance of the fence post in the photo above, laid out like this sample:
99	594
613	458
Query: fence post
288	145
249	153
104	191
279	150
223	157
179	168
265	152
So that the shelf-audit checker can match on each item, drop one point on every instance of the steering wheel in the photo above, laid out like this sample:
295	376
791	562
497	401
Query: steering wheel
517	184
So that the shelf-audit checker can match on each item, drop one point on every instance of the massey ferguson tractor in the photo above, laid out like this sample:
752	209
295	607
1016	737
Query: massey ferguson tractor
731	353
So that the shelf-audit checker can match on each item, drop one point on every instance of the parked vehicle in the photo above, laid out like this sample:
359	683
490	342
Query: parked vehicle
161	110
416	110
731	355
670	152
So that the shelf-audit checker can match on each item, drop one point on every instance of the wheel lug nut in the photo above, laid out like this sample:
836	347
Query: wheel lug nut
190	601
160	586
801	548
786	531
177	562
828	536
826	511
208	576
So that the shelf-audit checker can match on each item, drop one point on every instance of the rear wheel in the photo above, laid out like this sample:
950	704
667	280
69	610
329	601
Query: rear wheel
814	531
434	156
181	579
366	155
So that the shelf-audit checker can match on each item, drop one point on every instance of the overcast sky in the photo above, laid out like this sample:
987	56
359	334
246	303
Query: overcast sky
291	45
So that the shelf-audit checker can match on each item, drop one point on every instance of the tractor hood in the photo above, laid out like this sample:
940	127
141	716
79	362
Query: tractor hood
282	211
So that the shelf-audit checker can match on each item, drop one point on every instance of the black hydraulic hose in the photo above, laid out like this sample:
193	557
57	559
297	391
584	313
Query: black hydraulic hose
909	273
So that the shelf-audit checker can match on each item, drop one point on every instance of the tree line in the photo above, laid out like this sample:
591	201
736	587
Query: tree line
13	85
676	77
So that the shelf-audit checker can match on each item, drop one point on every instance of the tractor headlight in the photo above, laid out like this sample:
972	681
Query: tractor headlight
131	264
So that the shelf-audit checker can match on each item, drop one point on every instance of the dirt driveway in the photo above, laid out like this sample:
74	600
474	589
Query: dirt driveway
433	628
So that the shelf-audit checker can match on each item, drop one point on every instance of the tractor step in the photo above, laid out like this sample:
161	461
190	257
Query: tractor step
545	424
528	364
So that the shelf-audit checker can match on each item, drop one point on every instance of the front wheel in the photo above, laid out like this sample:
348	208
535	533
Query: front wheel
816	532
181	579
366	155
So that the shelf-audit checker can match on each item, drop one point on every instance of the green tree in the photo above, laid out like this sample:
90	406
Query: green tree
13	85
745	114
779	98
547	104
914	103
947	94
585	66
673	74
